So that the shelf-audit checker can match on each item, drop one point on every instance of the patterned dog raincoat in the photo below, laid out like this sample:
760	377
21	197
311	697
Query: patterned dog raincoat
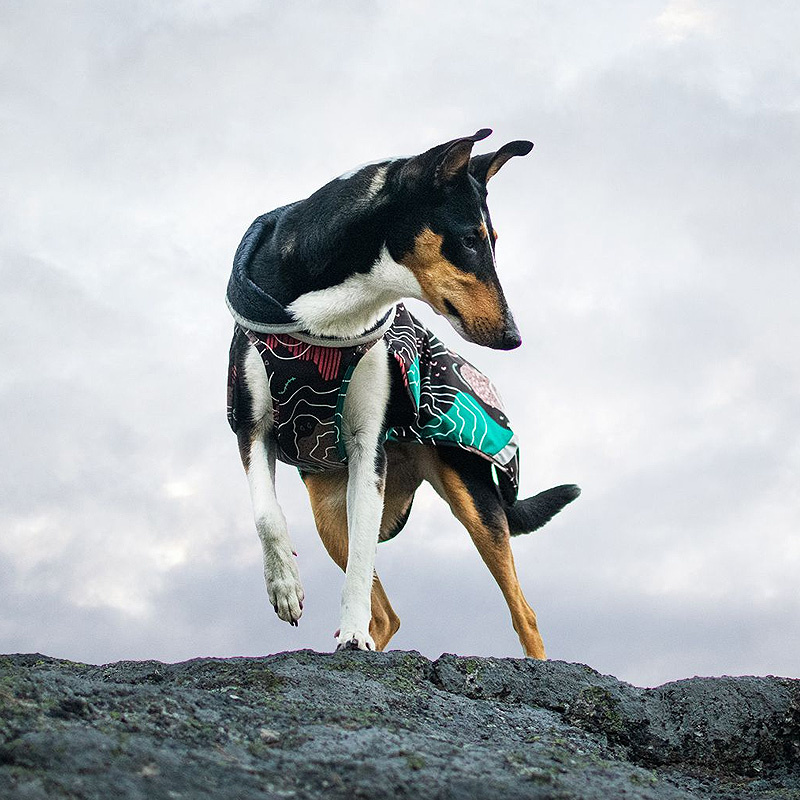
447	401
438	398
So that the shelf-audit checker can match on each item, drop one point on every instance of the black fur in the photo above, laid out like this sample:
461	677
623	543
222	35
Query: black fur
530	514
524	516
321	240
380	467
339	230
476	473
480	166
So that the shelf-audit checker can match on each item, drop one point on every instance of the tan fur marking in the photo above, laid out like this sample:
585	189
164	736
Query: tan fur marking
403	477
328	494
477	303
496	554
493	168
498	162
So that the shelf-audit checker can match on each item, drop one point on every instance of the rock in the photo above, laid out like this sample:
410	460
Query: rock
269	736
387	725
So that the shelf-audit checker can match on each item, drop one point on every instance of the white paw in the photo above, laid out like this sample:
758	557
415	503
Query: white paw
285	591
354	640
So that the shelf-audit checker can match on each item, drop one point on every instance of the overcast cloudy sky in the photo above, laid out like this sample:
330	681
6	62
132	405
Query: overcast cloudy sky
648	245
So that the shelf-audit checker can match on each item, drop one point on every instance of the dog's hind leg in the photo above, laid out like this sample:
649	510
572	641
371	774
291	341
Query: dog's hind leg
464	480
258	458
328	494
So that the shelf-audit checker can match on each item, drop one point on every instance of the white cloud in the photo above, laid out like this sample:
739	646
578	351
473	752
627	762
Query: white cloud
647	247
681	19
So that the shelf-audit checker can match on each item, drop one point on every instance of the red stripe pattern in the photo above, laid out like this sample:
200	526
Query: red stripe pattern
326	359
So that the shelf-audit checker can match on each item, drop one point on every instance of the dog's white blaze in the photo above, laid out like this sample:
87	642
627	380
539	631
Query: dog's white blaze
355	170
376	184
358	302
364	408
280	572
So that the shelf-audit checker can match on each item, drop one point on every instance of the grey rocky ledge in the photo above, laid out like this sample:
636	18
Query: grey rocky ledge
387	725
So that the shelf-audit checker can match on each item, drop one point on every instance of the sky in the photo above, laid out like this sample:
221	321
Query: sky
648	247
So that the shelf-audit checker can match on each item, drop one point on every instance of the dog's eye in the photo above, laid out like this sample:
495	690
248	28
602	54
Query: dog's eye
470	241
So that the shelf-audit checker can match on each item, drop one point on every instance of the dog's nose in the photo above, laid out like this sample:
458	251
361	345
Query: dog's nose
510	337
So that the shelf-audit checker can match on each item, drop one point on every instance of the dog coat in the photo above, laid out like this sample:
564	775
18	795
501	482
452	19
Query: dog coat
437	397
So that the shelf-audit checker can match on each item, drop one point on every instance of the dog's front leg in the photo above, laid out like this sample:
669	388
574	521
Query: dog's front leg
363	429
257	451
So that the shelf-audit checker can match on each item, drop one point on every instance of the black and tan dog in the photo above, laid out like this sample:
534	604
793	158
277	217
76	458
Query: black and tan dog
329	372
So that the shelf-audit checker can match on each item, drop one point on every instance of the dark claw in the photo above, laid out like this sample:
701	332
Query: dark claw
294	623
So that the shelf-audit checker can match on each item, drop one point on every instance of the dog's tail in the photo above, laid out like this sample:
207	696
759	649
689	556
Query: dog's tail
530	514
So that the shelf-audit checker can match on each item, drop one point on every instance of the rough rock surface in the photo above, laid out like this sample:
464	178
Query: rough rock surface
387	725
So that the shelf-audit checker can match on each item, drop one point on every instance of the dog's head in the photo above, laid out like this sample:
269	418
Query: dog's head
443	234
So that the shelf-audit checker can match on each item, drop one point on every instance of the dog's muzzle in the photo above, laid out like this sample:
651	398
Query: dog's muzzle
510	338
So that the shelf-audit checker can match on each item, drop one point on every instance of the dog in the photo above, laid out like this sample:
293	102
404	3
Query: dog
329	372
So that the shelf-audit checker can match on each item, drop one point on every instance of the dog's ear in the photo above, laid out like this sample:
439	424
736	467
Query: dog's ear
444	164
485	166
454	161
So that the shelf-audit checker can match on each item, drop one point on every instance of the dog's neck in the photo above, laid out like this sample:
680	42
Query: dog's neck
328	263
357	303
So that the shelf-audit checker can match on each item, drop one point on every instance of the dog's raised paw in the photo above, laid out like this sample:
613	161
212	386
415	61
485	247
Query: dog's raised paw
286	594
